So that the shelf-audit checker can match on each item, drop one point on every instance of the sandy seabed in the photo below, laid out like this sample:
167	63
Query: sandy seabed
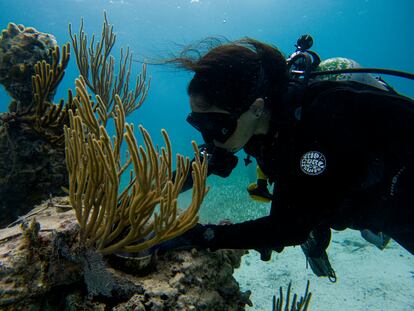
367	278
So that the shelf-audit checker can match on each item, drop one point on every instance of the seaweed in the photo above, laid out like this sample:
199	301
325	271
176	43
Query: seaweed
297	305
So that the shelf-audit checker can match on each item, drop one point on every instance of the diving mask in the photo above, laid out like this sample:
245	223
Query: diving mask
217	126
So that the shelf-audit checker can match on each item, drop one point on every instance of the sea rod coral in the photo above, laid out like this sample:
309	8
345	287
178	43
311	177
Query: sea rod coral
301	304
112	220
97	67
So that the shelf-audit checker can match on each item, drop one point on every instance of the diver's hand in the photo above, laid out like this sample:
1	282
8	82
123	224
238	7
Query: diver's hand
193	238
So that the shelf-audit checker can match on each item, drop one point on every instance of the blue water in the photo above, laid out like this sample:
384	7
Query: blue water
375	33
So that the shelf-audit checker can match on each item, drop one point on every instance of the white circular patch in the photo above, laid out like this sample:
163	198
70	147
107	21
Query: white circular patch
313	163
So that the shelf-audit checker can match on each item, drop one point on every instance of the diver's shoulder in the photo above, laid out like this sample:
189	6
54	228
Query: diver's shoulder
353	88
323	86
334	94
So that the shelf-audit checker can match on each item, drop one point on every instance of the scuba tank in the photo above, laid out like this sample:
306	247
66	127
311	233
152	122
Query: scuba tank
346	63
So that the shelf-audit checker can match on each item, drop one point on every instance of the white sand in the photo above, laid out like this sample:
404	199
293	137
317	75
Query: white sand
367	278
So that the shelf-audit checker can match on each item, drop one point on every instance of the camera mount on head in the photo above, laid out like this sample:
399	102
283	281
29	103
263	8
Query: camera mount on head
303	61
304	43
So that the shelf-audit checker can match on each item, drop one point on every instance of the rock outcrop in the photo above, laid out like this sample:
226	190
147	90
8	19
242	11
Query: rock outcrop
31	166
42	267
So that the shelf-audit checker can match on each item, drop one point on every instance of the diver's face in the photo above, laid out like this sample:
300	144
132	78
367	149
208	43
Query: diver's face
248	124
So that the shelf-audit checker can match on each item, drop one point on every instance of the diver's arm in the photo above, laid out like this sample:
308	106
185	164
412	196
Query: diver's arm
261	233
283	228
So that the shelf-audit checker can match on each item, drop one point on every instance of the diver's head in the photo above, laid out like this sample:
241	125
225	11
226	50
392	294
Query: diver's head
226	129
233	88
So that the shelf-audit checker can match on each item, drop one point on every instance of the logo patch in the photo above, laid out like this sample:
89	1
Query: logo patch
313	163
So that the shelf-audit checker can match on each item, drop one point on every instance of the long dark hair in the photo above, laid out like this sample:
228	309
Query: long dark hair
232	74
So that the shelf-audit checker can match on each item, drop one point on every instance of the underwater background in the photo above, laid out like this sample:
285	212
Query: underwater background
375	33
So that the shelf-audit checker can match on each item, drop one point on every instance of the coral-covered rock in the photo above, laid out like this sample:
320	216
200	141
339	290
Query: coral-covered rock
31	169
190	281
20	49
34	256
31	166
42	267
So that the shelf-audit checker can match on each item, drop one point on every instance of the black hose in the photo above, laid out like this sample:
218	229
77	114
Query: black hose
392	72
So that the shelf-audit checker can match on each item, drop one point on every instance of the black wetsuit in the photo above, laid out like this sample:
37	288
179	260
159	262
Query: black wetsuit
362	141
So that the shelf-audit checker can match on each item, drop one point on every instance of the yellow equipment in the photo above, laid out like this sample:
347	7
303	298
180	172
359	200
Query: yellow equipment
258	191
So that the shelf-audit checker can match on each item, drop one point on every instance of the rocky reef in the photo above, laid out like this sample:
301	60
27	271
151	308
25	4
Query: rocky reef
32	147
30	169
32	166
42	267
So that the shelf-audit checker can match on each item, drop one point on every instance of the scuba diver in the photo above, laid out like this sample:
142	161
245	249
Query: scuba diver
338	151
258	191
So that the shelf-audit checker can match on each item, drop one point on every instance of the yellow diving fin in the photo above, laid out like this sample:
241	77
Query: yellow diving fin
258	191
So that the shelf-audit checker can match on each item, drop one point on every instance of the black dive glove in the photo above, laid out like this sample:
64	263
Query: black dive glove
203	237
197	237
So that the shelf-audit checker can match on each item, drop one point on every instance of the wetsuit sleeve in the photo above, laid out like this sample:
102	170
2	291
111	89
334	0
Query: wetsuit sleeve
279	229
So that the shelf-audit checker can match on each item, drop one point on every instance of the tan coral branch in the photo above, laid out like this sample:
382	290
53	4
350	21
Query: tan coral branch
97	68
145	212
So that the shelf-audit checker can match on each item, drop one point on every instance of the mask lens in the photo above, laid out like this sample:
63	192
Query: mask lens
213	125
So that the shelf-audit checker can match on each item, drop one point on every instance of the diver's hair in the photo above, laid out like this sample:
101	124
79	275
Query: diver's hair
232	74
